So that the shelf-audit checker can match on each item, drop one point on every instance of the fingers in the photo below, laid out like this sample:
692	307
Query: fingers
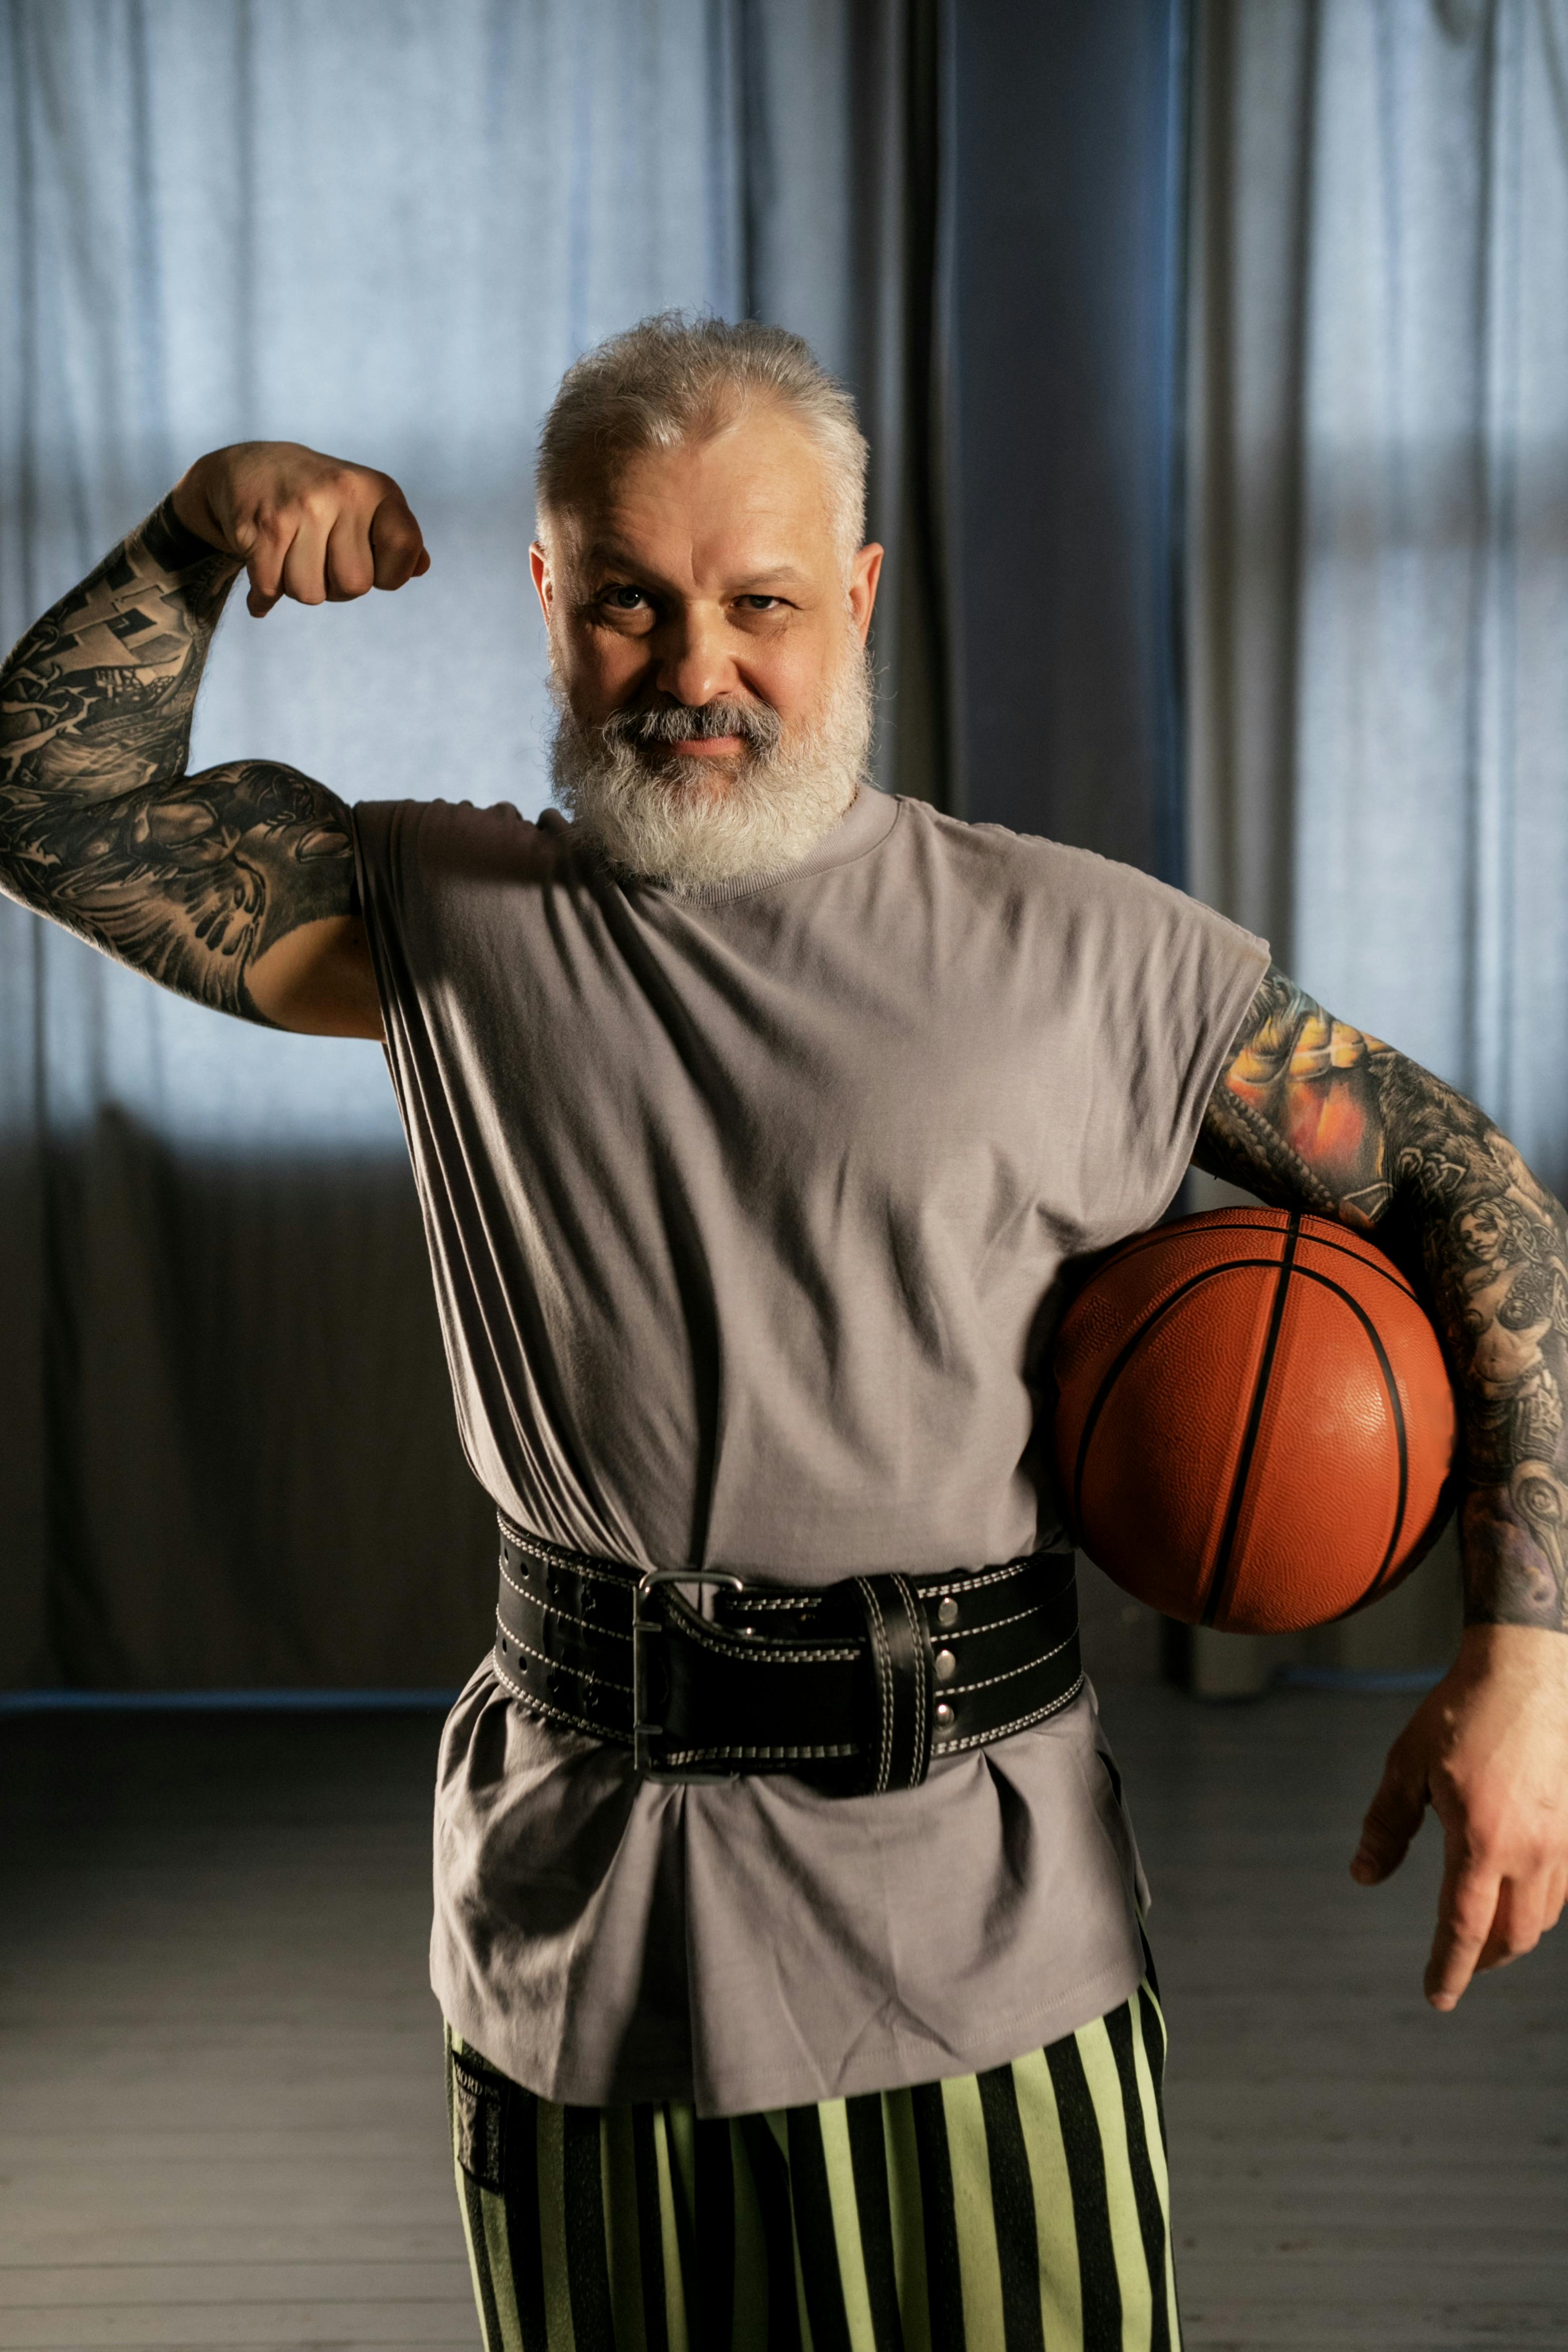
1516	1926
350	564
264	550
396	543
1485	1920
1527	1909
1393	1818
1466	1909
328	540
286	557
305	565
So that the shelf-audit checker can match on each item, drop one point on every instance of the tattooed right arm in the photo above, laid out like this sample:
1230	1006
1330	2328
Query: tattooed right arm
235	885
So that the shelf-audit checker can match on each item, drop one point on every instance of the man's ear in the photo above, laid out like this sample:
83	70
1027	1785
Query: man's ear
865	574
544	582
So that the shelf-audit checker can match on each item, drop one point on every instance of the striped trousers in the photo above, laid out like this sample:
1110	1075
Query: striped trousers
1024	2210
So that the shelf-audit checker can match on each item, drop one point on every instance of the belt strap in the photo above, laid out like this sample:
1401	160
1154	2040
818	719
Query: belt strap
903	1669
856	1685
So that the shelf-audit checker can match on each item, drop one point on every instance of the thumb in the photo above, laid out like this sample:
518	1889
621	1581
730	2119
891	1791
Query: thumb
1391	1820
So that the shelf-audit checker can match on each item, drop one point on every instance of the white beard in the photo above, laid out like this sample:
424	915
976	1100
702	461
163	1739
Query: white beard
676	822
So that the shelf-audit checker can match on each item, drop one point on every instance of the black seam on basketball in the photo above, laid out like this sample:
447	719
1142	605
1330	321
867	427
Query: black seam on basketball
1400	1441
1130	1348
1241	1223
1227	1544
1380	1264
1283	1267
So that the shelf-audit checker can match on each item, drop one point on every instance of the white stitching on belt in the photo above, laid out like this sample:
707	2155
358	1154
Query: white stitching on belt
575	1562
885	1684
919	1631
560	1664
963	1689
720	1755
765	1652
950	1634
986	1738
586	1625
558	1714
967	1583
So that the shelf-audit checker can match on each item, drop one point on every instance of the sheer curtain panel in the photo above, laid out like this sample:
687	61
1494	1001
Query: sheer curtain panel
226	1446
1378	534
1379	522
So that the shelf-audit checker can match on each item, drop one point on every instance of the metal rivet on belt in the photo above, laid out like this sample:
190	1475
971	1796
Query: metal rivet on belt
947	1666
947	1611
943	1716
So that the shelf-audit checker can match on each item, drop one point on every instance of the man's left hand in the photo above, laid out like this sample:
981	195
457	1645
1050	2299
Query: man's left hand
1487	1751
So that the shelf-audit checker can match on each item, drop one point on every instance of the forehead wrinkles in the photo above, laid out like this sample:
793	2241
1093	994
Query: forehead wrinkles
780	488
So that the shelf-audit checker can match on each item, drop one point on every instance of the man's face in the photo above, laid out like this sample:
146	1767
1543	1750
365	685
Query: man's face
705	575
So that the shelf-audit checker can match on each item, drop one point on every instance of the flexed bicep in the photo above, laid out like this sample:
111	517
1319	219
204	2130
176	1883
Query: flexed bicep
233	886
191	881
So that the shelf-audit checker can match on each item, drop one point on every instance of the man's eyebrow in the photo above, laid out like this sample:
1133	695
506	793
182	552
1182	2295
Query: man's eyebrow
605	555
776	573
604	552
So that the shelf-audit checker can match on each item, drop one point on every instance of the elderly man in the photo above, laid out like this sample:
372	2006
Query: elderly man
788	1917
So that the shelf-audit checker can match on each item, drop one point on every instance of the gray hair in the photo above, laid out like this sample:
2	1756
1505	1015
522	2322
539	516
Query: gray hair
671	379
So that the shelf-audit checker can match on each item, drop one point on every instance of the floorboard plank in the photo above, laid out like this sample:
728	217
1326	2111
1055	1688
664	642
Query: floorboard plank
220	2085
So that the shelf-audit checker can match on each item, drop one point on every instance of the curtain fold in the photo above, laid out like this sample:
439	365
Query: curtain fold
1379	609
226	1444
845	164
1378	550
1069	139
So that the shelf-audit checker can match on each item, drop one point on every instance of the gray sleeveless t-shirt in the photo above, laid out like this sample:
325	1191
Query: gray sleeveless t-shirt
747	1213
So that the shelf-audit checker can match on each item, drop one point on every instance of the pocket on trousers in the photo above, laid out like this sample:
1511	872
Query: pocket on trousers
478	2126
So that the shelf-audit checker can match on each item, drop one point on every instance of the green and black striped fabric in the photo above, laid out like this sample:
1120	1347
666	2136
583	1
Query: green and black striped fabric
1024	2210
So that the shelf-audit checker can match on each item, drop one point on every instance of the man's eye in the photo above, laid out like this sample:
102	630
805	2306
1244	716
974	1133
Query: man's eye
762	604
624	599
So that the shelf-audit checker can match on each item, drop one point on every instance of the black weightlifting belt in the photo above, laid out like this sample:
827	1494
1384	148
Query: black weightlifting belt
854	1685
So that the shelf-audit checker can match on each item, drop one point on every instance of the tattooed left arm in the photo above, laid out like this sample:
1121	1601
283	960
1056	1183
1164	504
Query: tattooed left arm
234	885
1315	1115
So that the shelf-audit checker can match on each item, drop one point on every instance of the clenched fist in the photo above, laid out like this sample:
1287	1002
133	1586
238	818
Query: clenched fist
313	528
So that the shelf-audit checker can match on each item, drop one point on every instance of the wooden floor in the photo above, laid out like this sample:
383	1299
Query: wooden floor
220	2105
1353	2172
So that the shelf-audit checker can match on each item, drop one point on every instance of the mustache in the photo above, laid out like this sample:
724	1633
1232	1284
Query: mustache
758	725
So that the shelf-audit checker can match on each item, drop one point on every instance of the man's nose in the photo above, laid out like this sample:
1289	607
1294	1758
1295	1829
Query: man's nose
694	663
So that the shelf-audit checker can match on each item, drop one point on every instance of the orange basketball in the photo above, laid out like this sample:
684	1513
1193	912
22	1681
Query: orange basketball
1255	1425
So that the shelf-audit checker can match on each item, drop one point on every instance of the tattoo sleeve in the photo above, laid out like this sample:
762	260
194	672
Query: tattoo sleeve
1315	1115
187	877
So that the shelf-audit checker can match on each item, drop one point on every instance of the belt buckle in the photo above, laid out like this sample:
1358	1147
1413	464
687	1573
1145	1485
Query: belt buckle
646	1627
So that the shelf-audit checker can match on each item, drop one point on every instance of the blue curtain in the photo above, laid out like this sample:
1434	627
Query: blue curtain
383	227
1378	611
1380	523
1065	308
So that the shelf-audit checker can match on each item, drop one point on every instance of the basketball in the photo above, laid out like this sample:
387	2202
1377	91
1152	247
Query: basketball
1254	1424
